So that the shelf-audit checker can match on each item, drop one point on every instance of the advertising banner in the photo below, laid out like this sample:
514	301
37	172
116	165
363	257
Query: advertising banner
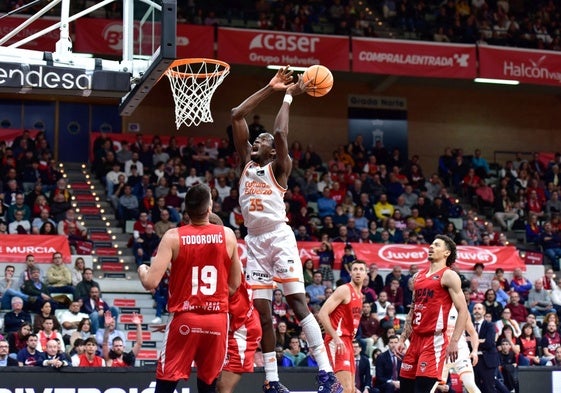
524	65
386	256
105	37
14	248
264	47
46	42
414	58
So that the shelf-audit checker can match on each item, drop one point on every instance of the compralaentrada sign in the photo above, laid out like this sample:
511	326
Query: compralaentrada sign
44	77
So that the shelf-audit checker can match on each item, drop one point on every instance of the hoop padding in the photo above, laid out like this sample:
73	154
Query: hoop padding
193	82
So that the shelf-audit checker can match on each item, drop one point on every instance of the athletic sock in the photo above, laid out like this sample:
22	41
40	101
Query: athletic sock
312	330
271	367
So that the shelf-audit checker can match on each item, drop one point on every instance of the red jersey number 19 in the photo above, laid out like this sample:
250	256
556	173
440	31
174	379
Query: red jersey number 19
205	282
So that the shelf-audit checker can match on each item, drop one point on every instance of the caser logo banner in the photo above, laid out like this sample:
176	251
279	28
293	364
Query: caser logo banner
44	77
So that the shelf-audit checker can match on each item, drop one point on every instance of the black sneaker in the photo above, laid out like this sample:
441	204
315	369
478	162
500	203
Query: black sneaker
328	383
274	387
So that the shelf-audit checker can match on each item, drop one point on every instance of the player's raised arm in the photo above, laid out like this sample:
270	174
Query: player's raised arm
452	282
150	276
240	130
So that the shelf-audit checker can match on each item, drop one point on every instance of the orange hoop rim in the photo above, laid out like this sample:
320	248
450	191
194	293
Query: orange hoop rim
181	74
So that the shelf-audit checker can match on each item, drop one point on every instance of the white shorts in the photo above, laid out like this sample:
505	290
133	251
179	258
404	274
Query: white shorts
462	363
274	257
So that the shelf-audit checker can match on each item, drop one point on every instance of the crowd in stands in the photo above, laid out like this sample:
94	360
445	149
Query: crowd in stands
520	23
359	195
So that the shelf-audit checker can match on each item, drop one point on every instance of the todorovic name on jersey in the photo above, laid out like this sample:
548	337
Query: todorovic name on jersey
216	238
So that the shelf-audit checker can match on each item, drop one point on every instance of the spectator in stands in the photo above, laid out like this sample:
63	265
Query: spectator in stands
326	205
128	205
134	161
505	214
539	300
54	356
476	295
550	341
5	360
520	284
161	226
346	259
500	295
553	205
77	270
145	246
45	312
15	318
19	225
316	289
30	356
508	370
518	311
140	225
480	164
395	295
59	206
26	273
71	227
9	288
470	235
18	339
293	356
82	289
484	280
96	308
116	356
47	333
491	304
159	208
89	357
18	206
59	277
550	240
37	291
83	331
112	178
3	225
70	320
106	335
39	222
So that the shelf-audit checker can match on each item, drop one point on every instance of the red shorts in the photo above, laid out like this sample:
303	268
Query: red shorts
242	345
193	337
341	362
425	356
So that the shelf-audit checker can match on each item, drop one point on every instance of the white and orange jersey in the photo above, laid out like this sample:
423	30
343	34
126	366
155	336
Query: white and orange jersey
452	318
261	198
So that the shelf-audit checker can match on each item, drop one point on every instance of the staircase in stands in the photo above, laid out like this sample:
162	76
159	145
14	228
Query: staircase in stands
113	262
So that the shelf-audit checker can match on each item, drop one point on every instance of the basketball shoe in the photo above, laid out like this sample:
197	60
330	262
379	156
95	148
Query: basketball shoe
274	387
328	383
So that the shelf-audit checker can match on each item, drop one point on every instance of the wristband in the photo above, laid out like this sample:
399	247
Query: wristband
288	99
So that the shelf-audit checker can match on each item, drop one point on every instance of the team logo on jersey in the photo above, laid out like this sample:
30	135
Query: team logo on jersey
184	330
423	366
291	261
260	172
406	366
346	363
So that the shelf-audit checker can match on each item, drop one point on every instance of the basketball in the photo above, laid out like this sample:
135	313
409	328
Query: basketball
321	80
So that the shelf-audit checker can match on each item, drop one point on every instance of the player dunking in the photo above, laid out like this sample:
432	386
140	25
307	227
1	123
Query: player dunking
204	271
271	245
340	317
466	360
435	289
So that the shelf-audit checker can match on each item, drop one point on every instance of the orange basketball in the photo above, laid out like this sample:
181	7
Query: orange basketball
321	80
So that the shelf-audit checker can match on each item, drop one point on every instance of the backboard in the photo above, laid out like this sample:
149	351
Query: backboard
112	48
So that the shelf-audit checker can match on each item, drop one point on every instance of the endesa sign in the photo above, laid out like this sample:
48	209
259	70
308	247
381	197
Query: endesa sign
44	77
386	256
524	65
396	57
264	47
14	248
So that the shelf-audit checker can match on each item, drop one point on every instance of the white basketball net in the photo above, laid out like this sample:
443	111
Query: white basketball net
192	86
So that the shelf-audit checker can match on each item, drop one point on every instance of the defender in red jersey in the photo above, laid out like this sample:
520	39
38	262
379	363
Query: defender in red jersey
204	271
340	317
435	289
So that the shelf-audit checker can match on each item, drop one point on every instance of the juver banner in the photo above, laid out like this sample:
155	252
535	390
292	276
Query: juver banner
264	47
386	256
395	57
14	248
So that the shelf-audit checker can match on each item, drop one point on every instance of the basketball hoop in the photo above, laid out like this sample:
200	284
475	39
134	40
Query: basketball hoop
193	82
